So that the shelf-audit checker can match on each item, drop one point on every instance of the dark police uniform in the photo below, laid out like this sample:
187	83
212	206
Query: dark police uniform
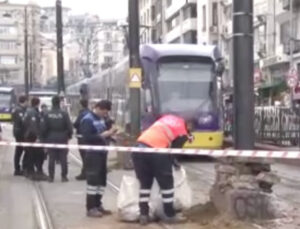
57	128
18	132
81	115
34	156
91	128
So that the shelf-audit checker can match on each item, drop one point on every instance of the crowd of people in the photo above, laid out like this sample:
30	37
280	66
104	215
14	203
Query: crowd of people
94	127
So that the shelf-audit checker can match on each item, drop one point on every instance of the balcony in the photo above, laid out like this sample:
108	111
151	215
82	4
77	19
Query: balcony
286	4
176	6
286	48
187	25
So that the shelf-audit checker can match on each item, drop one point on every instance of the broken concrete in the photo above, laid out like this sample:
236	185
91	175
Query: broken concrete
243	190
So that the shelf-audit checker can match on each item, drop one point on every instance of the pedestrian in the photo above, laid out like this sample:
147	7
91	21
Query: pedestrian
18	132
34	156
57	129
168	131
84	111
94	132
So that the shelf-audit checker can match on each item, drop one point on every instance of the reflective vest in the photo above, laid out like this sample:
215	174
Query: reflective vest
163	132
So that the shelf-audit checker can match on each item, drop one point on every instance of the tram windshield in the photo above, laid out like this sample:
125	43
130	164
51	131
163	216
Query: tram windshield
185	86
5	100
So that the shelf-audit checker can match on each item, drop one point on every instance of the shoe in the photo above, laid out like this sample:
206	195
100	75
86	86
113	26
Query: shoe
64	179
80	177
177	219
144	220
94	213
41	176
104	211
18	173
50	179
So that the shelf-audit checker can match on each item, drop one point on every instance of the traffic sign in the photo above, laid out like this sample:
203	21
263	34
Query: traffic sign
292	82
135	78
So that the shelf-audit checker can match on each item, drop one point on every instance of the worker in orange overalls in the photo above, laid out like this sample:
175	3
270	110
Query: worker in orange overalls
168	131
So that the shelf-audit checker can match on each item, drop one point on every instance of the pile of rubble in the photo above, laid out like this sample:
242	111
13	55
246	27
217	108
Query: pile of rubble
243	190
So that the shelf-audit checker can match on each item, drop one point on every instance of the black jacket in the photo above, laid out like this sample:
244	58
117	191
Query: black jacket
31	123
18	118
80	116
56	126
91	128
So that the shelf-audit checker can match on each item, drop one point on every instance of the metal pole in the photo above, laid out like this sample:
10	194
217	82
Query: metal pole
60	54
134	61
26	75
291	34
243	74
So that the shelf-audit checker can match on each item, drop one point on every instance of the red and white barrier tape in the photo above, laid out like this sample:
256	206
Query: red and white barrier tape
200	152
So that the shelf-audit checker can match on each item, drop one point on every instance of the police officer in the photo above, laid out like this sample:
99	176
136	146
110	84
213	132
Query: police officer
94	132
34	156
18	132
168	131
57	128
84	110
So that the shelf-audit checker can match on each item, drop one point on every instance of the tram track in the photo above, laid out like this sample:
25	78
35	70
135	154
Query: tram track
42	213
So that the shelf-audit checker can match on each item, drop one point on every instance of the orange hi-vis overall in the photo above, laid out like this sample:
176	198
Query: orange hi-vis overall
163	132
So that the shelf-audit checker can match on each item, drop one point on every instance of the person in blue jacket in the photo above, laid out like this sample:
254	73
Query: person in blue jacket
95	132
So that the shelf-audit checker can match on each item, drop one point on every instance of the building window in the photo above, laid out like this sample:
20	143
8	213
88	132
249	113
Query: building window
8	45
108	36
190	37
108	59
8	60
215	14
190	12
7	29
107	47
171	24
204	18
153	13
284	33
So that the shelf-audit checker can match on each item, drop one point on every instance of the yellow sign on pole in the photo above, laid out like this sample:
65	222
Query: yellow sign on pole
135	78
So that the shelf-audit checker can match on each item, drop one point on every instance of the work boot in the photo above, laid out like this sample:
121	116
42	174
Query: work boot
80	177
144	220
18	173
64	179
104	211
94	213
177	219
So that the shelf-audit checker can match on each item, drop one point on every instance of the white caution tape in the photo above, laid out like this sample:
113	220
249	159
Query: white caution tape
200	152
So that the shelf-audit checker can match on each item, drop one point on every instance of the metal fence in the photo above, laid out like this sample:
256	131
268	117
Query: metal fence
277	125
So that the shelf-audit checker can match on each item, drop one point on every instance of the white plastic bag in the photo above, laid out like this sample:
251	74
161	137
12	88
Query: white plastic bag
128	198
183	192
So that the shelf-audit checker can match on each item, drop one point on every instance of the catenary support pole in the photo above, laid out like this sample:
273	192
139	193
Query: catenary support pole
60	54
243	74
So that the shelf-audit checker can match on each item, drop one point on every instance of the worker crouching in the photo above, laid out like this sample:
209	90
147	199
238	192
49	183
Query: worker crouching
168	131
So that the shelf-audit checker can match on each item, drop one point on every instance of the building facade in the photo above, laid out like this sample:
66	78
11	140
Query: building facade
111	43
12	41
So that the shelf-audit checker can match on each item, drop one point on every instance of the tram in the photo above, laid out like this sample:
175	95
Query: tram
179	79
8	101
